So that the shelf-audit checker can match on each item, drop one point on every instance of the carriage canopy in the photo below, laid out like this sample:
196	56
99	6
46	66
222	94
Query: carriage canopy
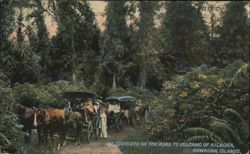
76	98
122	99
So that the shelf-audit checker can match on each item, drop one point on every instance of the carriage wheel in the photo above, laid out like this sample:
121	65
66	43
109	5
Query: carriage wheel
97	129
90	131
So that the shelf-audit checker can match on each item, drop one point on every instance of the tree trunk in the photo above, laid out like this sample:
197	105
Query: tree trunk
73	52
143	77
114	82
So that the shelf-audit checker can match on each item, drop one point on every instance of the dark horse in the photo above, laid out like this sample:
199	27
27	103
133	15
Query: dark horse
25	117
140	114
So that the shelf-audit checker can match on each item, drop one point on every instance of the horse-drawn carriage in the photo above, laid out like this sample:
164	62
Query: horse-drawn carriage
120	109
84	103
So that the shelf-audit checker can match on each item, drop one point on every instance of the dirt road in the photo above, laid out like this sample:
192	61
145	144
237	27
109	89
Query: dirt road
100	146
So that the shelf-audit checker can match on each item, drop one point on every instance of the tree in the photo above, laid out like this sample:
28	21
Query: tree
114	47
42	38
147	38
20	37
235	34
77	42
87	45
16	62
184	34
6	27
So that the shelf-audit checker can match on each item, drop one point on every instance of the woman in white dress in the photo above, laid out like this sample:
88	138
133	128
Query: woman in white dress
103	123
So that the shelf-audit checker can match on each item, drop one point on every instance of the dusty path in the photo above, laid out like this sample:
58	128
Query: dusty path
99	146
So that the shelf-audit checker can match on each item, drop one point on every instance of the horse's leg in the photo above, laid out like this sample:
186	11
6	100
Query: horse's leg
77	133
25	137
62	136
52	136
30	132
45	133
39	134
63	142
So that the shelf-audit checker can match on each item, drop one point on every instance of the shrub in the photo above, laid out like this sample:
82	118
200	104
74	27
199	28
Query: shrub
191	99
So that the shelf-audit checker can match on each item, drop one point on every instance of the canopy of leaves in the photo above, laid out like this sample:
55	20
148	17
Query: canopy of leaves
235	34
184	34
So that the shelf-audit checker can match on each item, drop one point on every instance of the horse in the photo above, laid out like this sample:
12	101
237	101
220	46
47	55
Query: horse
51	121
25	117
73	122
140	112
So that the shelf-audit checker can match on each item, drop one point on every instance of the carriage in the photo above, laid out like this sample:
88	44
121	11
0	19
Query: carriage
125	116
77	103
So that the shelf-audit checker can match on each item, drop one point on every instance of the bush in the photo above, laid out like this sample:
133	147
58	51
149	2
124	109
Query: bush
191	99
10	134
44	95
145	95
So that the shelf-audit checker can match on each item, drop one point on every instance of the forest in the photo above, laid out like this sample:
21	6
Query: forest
192	70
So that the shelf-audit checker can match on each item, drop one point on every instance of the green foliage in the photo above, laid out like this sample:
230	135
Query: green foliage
21	65
202	135
147	53
114	45
31	95
230	129
235	34
184	35
130	53
194	97
6	22
44	95
10	134
76	43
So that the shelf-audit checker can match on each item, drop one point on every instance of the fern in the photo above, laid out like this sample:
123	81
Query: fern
240	125
5	138
203	138
232	115
224	128
215	119
198	131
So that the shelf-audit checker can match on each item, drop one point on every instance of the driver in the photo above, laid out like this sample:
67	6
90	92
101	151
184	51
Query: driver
97	106
114	107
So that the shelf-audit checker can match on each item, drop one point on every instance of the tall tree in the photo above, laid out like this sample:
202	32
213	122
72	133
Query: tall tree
184	33
20	36
147	51
36	31
235	33
77	42
114	47
42	38
17	62
6	28
62	57
87	44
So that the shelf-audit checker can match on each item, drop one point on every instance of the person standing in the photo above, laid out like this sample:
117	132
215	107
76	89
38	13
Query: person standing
103	123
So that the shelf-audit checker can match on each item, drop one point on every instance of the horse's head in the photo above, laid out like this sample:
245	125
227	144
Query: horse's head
39	116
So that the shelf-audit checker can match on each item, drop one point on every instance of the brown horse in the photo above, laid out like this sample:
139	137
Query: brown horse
51	121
